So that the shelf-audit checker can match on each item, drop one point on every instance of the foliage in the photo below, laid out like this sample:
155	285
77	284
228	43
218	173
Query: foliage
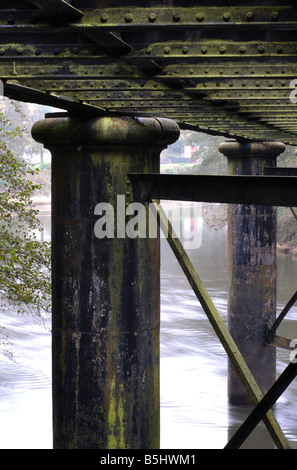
24	260
207	160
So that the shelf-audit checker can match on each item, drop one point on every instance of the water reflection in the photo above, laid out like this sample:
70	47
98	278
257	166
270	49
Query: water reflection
194	406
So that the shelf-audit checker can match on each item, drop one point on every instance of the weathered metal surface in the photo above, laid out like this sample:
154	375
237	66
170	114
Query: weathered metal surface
269	399
105	290
252	270
263	190
210	59
246	377
281	342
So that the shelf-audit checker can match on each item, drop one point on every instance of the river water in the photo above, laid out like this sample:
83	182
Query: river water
194	408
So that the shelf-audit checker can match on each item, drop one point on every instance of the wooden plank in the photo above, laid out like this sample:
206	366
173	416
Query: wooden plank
219	326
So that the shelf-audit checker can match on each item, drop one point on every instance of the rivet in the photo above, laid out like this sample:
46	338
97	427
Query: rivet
92	84
152	16
128	17
167	50
274	15
10	19
149	50
242	49
258	84
38	51
204	49
250	15
279	49
261	49
54	85
191	71
226	16
104	17
75	50
243	83
200	16
19	50
176	17
222	49
230	84
185	50
56	51
2	51
116	84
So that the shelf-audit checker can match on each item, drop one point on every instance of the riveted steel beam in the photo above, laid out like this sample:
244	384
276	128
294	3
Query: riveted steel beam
206	17
263	190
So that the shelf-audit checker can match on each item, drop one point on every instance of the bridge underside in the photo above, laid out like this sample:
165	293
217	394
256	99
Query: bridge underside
225	70
129	75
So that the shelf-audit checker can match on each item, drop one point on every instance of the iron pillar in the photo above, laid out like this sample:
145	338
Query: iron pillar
105	288
252	270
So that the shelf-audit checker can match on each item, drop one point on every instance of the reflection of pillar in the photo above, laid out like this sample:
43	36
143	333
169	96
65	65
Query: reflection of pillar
252	269
105	291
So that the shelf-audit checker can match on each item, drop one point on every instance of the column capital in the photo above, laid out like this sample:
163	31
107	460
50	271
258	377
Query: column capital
234	149
109	131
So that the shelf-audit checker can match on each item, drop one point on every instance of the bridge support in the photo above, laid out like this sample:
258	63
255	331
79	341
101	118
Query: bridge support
252	270
105	289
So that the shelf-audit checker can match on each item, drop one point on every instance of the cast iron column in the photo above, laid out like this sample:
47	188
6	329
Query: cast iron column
105	290
252	270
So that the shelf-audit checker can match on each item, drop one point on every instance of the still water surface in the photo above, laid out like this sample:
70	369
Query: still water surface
194	409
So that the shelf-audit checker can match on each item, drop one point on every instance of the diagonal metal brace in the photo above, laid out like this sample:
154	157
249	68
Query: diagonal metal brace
263	406
271	334
219	327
